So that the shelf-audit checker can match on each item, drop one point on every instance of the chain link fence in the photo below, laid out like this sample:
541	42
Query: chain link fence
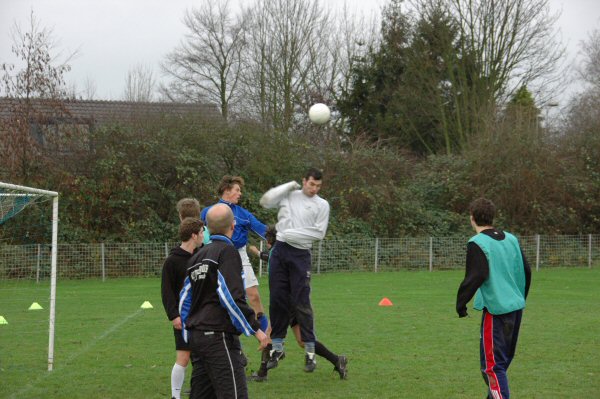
115	260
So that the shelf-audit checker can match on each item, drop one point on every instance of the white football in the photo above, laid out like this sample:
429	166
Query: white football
319	113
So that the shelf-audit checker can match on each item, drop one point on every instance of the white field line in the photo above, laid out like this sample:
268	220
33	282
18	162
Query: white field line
42	376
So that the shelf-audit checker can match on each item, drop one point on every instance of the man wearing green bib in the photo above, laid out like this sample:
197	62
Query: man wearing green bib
499	276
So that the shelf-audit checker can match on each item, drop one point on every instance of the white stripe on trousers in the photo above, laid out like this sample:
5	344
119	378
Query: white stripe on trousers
230	364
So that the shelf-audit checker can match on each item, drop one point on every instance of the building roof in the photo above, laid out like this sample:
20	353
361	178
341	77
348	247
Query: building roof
100	112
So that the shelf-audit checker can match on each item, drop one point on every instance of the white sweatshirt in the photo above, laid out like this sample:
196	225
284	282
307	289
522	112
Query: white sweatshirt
301	219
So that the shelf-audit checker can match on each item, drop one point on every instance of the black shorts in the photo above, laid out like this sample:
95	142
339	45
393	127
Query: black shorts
180	344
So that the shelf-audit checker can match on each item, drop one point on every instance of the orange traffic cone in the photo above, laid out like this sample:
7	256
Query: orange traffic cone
385	302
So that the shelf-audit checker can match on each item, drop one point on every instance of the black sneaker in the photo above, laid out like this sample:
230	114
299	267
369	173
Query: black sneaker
257	377
342	367
310	363
274	359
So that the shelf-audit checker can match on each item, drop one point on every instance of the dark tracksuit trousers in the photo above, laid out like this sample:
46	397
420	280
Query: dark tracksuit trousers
219	366
289	286
499	334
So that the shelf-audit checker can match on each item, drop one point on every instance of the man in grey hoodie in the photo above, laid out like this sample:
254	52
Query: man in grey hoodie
302	219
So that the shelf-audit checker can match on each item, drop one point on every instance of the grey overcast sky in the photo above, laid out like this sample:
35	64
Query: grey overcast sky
112	36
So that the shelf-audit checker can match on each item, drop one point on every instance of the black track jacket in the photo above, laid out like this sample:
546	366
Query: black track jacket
215	291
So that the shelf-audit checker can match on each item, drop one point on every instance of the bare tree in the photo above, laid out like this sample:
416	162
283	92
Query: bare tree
89	89
290	58
139	84
269	62
355	35
514	43
347	38
88	92
206	65
589	71
35	94
42	72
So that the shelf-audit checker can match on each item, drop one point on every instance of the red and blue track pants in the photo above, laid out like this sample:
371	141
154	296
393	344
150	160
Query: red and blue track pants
498	341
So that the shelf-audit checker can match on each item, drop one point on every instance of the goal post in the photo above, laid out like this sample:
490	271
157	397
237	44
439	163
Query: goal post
13	199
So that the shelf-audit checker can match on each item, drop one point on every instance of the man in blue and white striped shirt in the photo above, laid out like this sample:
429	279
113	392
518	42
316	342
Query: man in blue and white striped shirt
217	313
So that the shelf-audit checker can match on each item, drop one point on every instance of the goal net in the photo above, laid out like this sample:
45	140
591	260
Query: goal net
28	253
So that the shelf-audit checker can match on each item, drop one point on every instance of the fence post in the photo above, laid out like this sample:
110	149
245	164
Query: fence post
37	270
260	262
166	249
589	251
430	254
103	265
537	252
319	257
376	253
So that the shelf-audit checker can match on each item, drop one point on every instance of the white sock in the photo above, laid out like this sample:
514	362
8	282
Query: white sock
177	378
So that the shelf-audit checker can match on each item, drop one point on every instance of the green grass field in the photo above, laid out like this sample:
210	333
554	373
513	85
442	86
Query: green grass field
107	347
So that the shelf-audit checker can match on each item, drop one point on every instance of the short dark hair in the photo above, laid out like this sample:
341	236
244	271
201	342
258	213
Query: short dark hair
315	173
227	183
188	207
189	226
483	211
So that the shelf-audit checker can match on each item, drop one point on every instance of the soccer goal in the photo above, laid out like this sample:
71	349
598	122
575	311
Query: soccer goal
28	255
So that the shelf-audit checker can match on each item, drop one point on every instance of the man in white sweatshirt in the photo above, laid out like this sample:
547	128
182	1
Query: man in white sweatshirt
302	219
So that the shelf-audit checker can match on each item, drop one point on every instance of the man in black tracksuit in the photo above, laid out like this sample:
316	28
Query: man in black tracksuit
214	311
